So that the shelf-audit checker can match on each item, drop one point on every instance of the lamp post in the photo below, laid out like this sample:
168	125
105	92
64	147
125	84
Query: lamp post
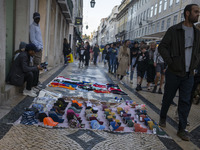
92	3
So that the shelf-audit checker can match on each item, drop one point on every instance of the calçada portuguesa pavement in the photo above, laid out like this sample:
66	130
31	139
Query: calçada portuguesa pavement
21	137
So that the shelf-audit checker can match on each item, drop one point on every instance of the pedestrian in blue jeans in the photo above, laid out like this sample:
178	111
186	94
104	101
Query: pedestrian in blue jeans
113	53
134	52
180	49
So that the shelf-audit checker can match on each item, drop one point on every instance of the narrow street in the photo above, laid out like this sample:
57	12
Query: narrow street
18	136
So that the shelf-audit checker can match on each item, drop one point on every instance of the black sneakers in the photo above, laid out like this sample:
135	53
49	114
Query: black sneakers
138	88
162	122
160	91
154	89
184	135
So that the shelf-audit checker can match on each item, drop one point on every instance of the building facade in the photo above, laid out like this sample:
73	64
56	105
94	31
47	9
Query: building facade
145	19
122	18
150	19
112	26
55	23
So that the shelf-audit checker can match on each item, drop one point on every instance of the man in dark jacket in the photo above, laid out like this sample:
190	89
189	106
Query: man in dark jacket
96	53
180	50
21	71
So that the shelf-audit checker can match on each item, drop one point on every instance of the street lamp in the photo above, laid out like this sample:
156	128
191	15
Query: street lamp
92	3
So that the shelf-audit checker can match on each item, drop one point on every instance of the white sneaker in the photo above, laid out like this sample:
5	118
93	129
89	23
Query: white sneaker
131	81
121	82
39	85
29	93
35	89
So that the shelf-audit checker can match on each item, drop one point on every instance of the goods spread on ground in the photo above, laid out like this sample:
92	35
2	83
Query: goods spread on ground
53	110
73	84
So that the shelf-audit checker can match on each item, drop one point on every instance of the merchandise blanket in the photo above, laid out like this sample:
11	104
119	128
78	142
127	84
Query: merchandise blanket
53	110
73	84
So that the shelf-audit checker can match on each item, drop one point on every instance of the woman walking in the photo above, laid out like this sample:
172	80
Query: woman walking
124	60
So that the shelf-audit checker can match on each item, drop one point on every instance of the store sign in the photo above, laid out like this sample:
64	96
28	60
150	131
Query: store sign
78	21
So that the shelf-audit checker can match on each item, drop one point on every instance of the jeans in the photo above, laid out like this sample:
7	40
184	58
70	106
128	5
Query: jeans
112	64
173	83
132	71
104	58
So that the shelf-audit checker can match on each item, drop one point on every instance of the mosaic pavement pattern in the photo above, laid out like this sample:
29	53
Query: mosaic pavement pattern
23	137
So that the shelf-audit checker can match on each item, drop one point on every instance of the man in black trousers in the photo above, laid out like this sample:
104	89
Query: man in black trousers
22	72
180	49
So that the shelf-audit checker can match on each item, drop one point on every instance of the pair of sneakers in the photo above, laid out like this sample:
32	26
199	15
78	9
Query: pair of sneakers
33	91
30	93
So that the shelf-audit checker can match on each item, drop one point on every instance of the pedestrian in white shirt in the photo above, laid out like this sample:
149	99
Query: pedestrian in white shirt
36	38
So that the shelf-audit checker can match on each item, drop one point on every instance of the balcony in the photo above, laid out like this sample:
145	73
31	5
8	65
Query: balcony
67	9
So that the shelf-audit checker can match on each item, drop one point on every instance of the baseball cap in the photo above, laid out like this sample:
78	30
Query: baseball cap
36	15
49	121
95	125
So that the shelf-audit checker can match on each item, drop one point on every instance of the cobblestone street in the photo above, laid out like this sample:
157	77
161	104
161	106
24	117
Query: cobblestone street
36	137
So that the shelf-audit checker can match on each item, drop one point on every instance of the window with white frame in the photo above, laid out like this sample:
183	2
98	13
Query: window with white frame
177	1
157	26
160	6
162	25
147	15
153	28
149	29
165	4
138	18
144	15
142	31
155	10
175	20
145	31
170	3
141	16
168	23
151	14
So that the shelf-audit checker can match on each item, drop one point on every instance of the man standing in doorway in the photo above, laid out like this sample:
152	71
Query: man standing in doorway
180	49
36	38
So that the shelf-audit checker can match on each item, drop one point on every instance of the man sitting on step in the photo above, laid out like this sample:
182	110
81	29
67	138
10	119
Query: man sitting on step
22	72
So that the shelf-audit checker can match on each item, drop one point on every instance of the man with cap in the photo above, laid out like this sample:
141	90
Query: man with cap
36	38
22	72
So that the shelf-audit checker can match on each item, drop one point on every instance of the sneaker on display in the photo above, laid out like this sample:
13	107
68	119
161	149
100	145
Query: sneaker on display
29	93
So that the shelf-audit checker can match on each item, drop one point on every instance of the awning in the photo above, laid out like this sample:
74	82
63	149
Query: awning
155	36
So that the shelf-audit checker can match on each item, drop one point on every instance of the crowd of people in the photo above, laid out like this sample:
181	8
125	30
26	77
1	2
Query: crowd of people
124	57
